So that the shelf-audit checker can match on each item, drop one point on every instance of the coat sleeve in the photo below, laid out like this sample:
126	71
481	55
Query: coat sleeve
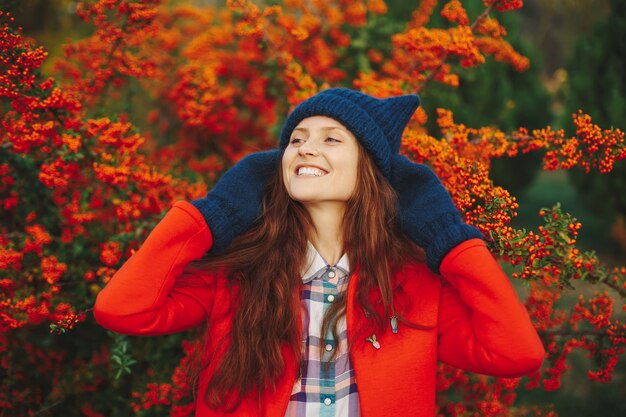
146	295
483	327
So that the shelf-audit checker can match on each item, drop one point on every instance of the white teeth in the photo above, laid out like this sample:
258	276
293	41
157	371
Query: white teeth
311	171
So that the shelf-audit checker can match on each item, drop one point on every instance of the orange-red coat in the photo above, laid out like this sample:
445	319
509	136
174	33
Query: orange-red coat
478	323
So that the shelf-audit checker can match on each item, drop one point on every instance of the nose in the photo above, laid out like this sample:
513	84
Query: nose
309	147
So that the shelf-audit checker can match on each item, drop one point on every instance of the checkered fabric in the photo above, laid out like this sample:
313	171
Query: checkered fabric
324	392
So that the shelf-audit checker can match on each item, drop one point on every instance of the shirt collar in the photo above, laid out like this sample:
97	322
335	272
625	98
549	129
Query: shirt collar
315	262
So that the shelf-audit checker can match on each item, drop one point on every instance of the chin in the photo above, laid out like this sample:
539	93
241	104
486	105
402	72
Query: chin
304	197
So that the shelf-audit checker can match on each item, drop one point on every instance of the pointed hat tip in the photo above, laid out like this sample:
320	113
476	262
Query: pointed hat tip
407	100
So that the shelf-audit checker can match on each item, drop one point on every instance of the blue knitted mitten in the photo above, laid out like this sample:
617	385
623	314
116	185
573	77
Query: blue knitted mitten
427	214
233	205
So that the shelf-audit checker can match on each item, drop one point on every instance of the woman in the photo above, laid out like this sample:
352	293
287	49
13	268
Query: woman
334	274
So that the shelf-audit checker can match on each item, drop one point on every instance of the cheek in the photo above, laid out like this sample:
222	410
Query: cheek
351	175
285	165
352	184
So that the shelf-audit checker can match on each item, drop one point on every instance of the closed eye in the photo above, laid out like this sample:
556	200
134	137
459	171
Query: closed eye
296	140
332	139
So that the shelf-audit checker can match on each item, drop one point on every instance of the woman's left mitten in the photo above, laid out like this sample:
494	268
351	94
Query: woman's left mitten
427	214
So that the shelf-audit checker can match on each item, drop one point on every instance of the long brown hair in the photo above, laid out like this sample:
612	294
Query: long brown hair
266	265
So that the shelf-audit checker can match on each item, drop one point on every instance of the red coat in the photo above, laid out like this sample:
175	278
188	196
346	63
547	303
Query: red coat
478	323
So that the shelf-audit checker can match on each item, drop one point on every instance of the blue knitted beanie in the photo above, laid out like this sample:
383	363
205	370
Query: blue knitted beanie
377	123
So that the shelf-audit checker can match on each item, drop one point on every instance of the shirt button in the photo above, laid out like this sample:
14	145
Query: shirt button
331	274
328	401
331	298
328	347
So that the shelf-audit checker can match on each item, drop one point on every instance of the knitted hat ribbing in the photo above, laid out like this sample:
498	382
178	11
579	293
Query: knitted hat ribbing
377	123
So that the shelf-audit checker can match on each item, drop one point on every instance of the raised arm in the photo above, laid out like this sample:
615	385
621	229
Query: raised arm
146	296
482	326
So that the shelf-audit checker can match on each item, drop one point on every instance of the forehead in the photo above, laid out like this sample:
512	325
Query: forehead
317	122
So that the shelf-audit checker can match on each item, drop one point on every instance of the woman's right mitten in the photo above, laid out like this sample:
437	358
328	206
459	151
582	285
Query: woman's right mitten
233	205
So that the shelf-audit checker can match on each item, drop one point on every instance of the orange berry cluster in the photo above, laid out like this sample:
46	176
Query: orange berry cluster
592	147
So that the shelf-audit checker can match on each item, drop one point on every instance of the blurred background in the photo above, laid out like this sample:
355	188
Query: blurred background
578	61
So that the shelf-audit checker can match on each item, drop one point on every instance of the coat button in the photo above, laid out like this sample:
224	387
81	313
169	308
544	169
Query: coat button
328	347
328	401
331	298
331	274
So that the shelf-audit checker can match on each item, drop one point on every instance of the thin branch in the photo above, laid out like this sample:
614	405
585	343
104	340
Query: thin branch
619	289
46	408
595	278
566	332
114	47
482	17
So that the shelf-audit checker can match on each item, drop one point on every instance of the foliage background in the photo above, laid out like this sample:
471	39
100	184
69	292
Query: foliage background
151	100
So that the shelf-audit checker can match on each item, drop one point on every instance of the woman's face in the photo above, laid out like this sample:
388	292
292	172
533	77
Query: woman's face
320	163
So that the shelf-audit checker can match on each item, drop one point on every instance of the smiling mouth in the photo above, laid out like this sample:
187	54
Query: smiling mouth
310	172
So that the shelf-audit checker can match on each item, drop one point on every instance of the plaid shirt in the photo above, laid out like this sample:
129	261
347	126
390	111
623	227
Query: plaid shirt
320	392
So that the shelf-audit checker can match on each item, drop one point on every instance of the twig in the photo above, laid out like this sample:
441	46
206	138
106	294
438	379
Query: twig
566	332
43	410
